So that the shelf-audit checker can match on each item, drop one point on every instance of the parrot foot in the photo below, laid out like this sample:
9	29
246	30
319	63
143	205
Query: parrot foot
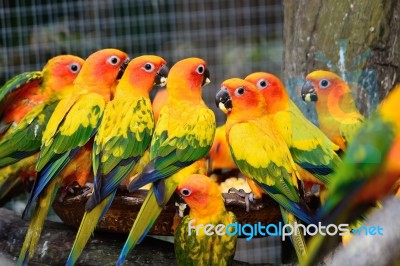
248	197
87	190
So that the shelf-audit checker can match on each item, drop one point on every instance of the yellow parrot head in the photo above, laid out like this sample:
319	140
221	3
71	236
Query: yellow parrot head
323	84
271	87
146	71
61	71
238	96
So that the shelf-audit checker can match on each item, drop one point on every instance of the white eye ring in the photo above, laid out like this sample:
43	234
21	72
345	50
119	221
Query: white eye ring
113	60
185	192
200	69
262	84
324	83
74	67
240	91
148	67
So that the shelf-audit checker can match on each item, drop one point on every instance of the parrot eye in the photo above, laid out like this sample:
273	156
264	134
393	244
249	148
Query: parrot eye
200	69
262	84
186	192
148	67
240	91
74	67
324	83
113	60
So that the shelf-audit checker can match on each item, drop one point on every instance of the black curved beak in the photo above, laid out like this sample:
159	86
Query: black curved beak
308	93
161	76
122	68
223	100
206	77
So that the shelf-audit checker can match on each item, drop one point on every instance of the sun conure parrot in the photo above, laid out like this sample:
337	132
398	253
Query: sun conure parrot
370	171
207	206
183	134
74	121
338	115
311	149
26	90
260	151
122	139
18	97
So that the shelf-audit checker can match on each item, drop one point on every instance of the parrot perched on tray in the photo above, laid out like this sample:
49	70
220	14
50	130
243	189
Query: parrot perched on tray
338	115
183	134
72	124
260	151
122	139
370	170
27	99
207	206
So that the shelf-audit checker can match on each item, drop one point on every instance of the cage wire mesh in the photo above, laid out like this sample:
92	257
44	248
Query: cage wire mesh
234	37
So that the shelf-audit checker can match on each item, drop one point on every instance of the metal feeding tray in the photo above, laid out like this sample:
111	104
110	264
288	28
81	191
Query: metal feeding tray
125	207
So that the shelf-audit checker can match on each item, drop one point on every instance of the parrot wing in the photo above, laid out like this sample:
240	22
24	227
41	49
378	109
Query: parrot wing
262	156
11	88
26	139
177	143
309	146
118	146
78	124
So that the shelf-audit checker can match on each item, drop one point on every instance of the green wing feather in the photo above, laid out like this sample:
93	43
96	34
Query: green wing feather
26	138
178	141
263	156
78	124
309	146
204	250
11	88
123	137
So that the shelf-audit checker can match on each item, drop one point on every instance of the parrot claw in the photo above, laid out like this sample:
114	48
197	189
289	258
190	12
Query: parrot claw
87	190
248	197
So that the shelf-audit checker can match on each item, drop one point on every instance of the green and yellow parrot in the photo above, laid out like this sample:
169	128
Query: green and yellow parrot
338	115
183	134
207	206
260	151
72	124
311	149
23	92
122	139
28	99
370	171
